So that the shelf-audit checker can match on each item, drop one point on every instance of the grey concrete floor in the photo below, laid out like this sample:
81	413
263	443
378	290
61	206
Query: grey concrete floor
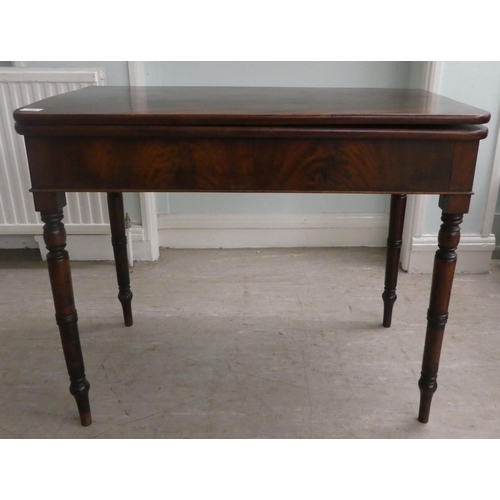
271	343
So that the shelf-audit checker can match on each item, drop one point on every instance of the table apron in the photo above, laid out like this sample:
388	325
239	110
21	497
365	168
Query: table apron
251	164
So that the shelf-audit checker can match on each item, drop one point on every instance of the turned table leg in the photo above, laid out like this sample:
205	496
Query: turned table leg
394	242
442	281
119	242
50	207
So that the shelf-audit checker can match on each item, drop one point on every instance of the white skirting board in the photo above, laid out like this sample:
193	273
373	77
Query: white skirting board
280	230
98	246
473	254
261	230
312	230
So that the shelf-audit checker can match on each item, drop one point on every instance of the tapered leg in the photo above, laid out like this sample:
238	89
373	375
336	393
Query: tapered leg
119	242
54	235
437	315
394	242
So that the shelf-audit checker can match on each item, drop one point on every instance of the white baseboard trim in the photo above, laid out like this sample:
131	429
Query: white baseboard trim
98	246
38	228
473	254
83	247
279	230
267	230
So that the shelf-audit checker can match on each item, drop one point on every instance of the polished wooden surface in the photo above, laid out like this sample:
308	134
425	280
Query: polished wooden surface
235	106
250	165
394	243
192	139
119	242
54	236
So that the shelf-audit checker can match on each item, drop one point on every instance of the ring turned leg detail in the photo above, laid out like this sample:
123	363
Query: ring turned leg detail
394	242
119	242
54	235
437	315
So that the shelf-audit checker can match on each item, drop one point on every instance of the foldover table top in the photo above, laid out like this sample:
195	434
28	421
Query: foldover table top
252	106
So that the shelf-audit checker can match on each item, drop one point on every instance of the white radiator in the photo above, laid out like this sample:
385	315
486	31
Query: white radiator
86	213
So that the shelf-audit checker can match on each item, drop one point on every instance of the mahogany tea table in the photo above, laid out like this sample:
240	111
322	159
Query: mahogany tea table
266	140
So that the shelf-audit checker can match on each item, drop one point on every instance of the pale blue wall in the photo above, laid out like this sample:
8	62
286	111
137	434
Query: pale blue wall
287	74
477	84
280	74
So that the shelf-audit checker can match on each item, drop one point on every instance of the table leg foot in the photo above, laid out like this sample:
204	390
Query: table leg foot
81	394
119	242
126	302
54	235
437	315
394	242
428	386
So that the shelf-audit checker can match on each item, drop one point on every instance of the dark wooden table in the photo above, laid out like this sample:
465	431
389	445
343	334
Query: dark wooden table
195	139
